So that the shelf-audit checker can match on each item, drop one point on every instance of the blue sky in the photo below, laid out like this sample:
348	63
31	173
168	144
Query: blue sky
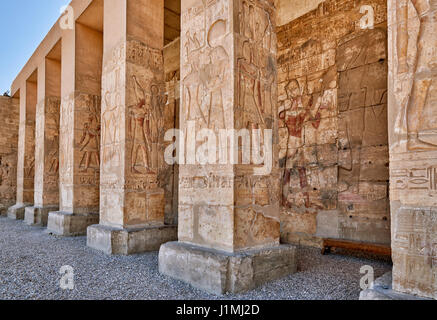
23	25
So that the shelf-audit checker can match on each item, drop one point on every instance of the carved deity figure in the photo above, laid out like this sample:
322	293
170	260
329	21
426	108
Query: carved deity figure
158	103
29	166
192	43
89	144
204	84
420	113
53	157
294	114
146	126
250	90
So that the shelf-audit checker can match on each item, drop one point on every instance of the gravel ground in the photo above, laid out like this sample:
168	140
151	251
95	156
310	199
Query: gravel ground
30	260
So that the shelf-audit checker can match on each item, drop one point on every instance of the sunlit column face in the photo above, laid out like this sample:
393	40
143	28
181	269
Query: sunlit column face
82	52
134	174
47	133
228	77
29	141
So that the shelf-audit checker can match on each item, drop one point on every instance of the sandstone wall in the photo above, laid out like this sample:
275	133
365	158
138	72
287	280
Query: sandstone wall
9	120
289	10
333	125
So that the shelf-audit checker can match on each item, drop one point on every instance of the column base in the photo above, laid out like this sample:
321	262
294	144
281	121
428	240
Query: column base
220	272
37	216
3	210
69	224
382	289
16	212
113	241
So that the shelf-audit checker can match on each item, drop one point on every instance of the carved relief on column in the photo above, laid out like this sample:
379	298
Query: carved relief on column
413	144
80	153
29	164
21	144
47	154
87	119
39	153
171	55
133	169
9	110
146	172
228	82
66	153
51	146
112	139
29	144
207	99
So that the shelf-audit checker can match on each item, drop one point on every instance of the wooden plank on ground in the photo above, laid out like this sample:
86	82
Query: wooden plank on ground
381	249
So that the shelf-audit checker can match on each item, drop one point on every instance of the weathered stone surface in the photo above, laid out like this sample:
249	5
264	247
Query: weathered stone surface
221	272
172	60
26	148
289	10
413	145
414	250
79	135
228	206
381	289
9	121
26	143
137	185
114	241
16	212
38	216
91	134
46	184
332	95
70	225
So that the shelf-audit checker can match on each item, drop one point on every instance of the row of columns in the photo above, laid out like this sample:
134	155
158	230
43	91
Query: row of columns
98	118
110	90
99	148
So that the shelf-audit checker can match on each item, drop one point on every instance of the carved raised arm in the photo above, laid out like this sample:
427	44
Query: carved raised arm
402	34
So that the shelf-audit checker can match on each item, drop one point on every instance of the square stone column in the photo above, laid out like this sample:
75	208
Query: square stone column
229	228
134	174
46	196
26	149
79	165
413	145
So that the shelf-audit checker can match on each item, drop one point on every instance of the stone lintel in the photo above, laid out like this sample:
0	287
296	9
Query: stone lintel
382	289
220	272
16	212
70	224
114	241
38	216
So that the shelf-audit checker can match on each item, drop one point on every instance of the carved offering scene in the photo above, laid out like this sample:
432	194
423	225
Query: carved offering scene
333	126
